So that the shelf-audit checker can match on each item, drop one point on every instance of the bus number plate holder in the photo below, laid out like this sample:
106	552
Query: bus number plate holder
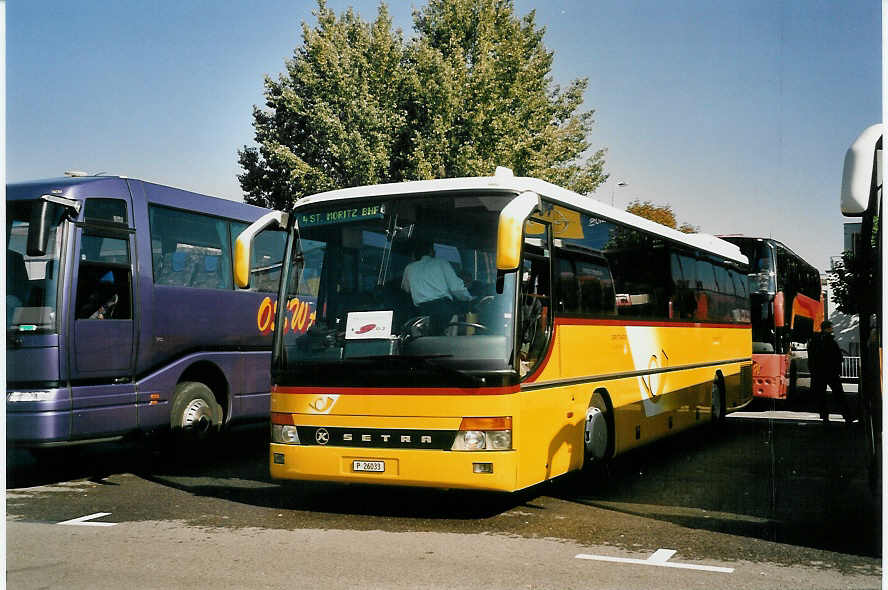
371	466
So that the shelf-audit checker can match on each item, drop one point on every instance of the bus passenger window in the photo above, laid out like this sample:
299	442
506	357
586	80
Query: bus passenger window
104	284
568	300
97	297
706	290
596	287
683	303
534	311
194	249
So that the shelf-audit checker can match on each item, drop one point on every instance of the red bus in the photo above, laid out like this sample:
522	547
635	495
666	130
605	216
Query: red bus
786	306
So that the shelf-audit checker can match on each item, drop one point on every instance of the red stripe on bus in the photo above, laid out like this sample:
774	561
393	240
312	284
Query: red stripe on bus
562	321
289	390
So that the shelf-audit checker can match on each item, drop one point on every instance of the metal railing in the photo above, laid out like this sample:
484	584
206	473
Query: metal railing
851	367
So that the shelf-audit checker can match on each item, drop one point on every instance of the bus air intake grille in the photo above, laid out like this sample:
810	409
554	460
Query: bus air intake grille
376	438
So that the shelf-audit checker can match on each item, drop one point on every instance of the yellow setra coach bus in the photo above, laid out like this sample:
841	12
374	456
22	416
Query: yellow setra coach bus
491	333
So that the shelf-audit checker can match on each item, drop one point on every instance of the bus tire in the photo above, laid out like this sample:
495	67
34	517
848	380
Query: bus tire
195	415
718	403
598	432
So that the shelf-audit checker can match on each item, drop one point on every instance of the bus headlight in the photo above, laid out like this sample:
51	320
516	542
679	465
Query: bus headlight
472	440
499	440
284	434
484	434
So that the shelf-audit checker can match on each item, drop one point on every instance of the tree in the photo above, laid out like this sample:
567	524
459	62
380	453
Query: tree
332	116
854	284
661	214
471	91
854	279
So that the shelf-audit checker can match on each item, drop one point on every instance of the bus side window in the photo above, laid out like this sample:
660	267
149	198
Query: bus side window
684	302
104	284
596	287
195	249
566	288
740	311
534	310
706	291
726	294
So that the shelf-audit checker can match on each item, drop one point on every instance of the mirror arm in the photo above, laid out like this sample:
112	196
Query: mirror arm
69	204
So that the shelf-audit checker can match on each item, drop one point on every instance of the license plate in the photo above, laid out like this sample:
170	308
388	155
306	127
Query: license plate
374	466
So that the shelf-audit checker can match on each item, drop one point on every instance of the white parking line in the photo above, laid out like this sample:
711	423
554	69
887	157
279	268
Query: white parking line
82	521
660	558
783	415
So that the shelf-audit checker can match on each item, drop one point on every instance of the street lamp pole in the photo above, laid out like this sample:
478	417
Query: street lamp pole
620	184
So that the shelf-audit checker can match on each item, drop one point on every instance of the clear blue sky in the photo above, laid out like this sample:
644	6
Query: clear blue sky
737	114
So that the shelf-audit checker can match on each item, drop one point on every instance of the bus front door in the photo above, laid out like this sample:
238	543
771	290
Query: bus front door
101	333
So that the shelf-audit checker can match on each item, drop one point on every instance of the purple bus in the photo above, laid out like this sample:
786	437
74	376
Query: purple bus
122	315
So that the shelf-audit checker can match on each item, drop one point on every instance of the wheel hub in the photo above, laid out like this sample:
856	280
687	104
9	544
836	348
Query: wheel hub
198	416
595	433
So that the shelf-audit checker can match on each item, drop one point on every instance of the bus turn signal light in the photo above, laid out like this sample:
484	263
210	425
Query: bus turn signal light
497	423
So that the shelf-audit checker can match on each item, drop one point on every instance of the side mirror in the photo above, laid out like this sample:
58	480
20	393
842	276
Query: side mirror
860	171
511	230
42	215
243	246
38	229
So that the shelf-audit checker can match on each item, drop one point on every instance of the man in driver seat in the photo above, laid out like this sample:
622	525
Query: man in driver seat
433	285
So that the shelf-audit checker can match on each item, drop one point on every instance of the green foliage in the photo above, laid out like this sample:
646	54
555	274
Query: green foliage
661	214
330	118
470	91
854	285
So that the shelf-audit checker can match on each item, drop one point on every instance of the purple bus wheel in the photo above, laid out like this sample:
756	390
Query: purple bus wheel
194	413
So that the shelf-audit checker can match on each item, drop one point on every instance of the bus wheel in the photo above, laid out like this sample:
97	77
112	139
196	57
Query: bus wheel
195	414
598	432
718	401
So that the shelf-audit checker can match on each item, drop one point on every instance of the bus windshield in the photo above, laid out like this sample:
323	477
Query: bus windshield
762	286
31	281
400	291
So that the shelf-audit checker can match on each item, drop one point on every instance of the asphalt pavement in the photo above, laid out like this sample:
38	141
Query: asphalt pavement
775	496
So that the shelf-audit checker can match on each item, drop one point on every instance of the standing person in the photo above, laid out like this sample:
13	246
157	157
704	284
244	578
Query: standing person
825	365
433	285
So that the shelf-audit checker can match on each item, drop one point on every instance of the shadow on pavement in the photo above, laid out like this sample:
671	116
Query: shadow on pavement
235	468
799	482
788	481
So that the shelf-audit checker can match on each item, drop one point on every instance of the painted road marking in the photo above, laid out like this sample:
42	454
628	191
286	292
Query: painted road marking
785	416
83	520
660	558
